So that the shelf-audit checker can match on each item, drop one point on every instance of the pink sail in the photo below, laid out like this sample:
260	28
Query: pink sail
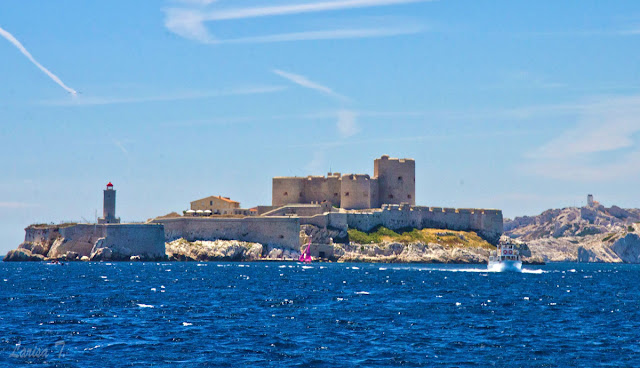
305	256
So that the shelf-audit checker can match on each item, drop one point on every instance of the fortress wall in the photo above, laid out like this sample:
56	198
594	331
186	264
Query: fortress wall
338	220
487	223
296	209
264	209
356	191
40	235
396	180
492	224
287	190
39	240
320	188
364	221
80	239
279	231
333	220
125	240
321	221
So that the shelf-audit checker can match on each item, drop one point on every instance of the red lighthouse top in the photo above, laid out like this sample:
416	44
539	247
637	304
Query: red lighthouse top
109	185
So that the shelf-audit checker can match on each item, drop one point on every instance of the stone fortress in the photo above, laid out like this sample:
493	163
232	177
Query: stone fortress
325	207
331	205
393	182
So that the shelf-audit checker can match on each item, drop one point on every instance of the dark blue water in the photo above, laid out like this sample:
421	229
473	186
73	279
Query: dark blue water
273	314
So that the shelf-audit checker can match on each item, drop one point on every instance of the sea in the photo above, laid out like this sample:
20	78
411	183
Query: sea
318	315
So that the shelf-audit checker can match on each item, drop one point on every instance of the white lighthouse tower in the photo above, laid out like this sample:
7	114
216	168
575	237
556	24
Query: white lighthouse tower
109	207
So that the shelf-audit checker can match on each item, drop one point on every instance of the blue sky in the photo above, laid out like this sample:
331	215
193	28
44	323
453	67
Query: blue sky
521	106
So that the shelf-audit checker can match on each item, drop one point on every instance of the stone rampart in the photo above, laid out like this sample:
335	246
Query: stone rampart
96	241
333	220
296	209
275	231
487	223
126	240
79	239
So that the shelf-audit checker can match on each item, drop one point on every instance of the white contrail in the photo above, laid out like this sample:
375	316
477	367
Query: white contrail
305	82
26	53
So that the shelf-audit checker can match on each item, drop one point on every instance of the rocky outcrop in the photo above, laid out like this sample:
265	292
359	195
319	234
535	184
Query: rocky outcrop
587	234
418	252
571	222
22	255
628	248
621	246
218	250
389	252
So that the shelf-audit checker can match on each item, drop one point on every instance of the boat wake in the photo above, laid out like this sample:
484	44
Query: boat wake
494	269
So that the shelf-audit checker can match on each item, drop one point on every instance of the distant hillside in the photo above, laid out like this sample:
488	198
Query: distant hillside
571	221
587	234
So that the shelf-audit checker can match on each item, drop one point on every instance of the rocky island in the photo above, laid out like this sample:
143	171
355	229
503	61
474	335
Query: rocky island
593	233
348	217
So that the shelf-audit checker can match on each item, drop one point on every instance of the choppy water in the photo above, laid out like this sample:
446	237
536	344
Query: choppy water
275	314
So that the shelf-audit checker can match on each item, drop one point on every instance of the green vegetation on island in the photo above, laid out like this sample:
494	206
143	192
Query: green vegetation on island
381	234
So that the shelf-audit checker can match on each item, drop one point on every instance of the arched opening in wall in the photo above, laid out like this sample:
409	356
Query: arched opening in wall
391	196
335	194
409	196
300	195
399	177
365	194
286	194
346	194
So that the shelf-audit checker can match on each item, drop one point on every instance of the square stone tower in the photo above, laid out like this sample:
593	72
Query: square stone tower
396	180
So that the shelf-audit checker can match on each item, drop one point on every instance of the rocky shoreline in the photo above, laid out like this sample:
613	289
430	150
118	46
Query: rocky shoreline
592	234
237	251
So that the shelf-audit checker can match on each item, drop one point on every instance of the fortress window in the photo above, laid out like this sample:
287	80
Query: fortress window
335	194
346	194
409	196
399	177
210	203
390	195
286	194
300	194
365	194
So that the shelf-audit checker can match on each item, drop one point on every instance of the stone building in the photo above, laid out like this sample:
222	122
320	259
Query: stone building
216	204
393	182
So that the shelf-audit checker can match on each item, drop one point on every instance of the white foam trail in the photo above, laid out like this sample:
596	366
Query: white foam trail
362	292
26	53
524	270
477	270
145	306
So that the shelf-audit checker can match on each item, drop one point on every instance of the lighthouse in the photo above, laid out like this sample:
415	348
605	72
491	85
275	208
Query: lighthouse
109	207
